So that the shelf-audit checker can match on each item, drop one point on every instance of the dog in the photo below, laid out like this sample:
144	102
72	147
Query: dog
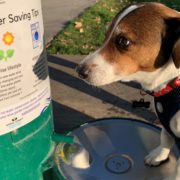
142	44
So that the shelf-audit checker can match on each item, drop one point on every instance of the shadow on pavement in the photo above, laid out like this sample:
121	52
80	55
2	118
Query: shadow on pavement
61	62
66	118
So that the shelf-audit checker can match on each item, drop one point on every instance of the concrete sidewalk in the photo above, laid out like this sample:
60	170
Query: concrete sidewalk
57	13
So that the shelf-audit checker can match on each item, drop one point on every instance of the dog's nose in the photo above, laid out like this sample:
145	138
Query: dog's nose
82	71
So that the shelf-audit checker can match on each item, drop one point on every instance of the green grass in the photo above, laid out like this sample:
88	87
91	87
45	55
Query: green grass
94	21
89	35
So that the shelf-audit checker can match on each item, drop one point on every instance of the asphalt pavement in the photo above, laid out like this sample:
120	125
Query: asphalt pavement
57	14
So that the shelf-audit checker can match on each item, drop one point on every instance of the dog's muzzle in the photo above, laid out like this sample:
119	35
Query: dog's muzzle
82	71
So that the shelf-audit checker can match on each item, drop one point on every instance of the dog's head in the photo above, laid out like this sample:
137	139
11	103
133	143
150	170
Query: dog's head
141	38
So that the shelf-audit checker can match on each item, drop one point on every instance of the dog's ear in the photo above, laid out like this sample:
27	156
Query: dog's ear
176	54
170	42
171	34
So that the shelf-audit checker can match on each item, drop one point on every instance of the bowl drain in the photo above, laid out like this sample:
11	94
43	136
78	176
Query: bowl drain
118	163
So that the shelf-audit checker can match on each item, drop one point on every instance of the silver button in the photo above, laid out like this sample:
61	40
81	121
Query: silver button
159	107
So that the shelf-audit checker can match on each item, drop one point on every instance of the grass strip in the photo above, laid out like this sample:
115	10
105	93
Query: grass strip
86	33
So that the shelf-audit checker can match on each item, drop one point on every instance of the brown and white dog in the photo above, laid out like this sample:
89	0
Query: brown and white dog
142	44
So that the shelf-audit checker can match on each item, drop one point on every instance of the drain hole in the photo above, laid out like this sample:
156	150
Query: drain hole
118	164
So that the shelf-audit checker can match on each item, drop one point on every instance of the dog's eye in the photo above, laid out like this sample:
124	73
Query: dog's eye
122	43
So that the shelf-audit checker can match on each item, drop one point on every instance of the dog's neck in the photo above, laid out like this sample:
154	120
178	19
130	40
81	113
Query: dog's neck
154	81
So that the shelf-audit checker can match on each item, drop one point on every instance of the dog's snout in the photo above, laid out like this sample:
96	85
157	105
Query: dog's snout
82	71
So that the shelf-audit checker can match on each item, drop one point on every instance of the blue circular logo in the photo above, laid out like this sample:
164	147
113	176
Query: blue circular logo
36	35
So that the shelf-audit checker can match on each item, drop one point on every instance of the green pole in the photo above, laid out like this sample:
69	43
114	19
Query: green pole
26	146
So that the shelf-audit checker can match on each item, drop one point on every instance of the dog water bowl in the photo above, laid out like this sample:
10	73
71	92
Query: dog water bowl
117	148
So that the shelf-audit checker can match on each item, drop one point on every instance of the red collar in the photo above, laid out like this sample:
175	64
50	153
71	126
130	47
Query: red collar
169	87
